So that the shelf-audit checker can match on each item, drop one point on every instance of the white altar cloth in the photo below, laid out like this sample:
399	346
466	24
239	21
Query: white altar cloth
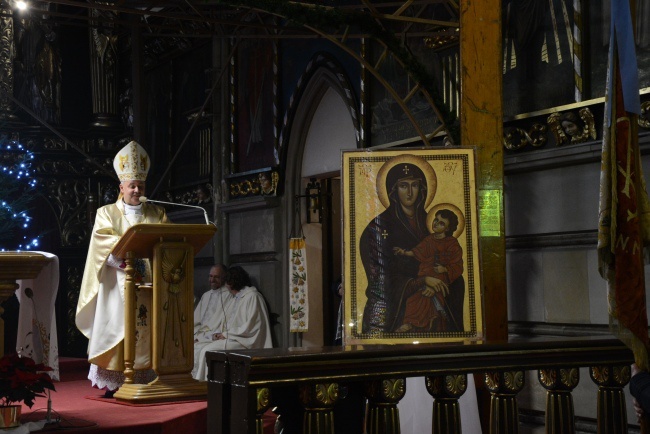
37	337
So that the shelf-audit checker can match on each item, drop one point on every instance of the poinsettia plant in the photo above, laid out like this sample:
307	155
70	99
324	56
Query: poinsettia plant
22	379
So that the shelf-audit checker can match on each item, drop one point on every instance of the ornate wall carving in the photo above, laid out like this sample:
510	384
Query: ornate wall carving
38	64
104	70
7	50
265	182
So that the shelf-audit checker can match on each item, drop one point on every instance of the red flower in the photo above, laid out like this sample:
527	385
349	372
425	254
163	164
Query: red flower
22	379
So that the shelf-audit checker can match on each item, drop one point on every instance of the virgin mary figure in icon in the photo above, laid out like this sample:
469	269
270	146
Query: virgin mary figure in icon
415	281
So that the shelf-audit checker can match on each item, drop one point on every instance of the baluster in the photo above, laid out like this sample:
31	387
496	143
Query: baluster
612	416
319	400
559	384
446	389
383	396
504	413
129	318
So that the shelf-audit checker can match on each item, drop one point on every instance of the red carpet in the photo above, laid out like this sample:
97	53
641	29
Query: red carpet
72	410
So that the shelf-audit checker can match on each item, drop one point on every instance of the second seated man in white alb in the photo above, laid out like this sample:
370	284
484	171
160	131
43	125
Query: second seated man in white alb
245	323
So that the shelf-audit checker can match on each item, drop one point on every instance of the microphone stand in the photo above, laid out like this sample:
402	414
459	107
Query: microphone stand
144	199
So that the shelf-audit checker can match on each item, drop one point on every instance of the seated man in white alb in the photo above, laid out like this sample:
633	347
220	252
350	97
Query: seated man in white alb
210	311
245	324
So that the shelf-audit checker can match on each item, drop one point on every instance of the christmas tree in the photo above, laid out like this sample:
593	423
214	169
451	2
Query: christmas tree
17	184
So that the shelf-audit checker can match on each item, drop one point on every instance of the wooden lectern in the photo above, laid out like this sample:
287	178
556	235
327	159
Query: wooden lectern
171	248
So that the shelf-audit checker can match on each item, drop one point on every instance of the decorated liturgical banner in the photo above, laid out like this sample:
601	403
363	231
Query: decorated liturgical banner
411	256
298	285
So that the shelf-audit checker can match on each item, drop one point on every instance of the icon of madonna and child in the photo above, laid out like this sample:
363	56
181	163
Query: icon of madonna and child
414	265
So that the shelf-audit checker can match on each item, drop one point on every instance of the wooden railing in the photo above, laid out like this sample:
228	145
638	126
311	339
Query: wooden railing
241	383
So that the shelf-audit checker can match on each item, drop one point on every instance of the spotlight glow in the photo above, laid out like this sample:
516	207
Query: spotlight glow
21	5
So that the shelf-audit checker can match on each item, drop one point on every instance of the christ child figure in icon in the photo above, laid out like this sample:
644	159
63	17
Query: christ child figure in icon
438	306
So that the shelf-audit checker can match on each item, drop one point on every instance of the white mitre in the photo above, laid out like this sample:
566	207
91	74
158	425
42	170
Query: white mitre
132	163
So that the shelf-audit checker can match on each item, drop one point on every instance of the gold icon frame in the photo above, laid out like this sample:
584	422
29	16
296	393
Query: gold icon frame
372	232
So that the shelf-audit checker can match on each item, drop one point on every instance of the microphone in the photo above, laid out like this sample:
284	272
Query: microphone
144	199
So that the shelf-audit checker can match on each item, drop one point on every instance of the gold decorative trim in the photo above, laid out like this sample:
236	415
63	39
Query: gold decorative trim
644	118
257	183
600	374
570	377
622	374
517	138
509	382
559	379
617	376
319	395
447	386
263	399
547	377
513	380
389	390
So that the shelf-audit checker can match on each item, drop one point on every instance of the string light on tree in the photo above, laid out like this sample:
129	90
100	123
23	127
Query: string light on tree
16	184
